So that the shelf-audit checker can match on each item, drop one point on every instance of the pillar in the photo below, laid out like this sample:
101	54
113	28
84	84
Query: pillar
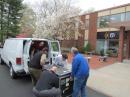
121	44
128	45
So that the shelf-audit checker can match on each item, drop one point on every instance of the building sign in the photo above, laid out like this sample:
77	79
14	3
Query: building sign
108	35
114	35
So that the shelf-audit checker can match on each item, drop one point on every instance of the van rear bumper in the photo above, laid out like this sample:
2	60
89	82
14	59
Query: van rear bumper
22	73
20	70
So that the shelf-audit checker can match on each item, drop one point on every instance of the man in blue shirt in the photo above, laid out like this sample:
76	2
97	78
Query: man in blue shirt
80	73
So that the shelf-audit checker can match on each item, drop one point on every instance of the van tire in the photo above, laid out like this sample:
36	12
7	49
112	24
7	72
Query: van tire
12	73
1	61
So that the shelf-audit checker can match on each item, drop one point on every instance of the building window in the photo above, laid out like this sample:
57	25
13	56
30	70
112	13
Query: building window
86	35
86	23
128	15
102	35
118	17
85	42
108	42
108	35
100	43
103	21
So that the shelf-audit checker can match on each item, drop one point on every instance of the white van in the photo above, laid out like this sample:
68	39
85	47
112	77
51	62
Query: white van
16	53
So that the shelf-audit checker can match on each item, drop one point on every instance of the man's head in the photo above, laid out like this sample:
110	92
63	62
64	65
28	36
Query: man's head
53	68
41	44
74	50
64	56
45	50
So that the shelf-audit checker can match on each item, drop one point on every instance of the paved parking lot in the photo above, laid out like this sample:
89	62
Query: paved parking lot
22	87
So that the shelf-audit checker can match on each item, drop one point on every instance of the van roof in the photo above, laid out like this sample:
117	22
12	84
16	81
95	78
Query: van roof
29	39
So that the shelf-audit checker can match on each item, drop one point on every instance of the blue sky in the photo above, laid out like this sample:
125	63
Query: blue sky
96	4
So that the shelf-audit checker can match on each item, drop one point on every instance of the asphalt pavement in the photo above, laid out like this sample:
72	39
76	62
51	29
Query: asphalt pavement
22	87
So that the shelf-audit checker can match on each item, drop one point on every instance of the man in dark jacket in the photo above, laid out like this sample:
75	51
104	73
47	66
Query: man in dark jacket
48	84
36	65
80	73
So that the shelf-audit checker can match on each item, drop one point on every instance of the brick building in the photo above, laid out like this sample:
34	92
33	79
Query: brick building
107	30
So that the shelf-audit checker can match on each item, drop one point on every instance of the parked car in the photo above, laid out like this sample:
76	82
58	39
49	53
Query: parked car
16	53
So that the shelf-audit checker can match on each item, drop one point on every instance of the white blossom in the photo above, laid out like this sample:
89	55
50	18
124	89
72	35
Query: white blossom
56	18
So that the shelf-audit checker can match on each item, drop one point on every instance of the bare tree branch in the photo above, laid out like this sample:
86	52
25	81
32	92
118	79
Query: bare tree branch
53	18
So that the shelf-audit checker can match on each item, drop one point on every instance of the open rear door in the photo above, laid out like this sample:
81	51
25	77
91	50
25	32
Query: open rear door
54	50
26	57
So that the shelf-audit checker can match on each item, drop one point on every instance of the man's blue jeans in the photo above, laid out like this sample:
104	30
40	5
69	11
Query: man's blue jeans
79	87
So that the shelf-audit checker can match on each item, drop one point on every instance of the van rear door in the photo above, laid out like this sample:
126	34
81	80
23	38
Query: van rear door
54	50
26	58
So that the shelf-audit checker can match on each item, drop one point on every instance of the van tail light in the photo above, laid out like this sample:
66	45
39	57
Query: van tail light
18	61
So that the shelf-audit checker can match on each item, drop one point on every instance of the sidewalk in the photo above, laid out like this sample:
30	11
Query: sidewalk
113	80
94	61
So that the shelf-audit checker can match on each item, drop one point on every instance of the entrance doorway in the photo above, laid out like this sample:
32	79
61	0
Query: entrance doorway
128	45
129	48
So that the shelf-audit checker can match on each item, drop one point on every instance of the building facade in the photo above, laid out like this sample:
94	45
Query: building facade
107	30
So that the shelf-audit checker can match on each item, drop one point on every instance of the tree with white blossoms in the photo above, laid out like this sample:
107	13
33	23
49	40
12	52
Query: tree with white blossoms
28	20
56	19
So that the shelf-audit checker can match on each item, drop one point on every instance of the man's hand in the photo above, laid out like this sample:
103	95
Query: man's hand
71	78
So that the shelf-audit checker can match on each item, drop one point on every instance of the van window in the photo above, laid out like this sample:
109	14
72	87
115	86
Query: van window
25	49
55	46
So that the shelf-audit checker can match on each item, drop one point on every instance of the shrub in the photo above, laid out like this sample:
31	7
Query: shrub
109	52
102	52
87	48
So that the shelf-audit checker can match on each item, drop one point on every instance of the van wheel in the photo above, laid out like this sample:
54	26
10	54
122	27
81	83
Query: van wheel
1	61
12	73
